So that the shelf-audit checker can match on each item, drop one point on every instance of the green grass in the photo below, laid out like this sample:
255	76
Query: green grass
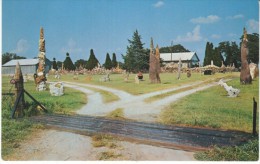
212	108
103	140
246	152
108	155
168	80
14	131
116	114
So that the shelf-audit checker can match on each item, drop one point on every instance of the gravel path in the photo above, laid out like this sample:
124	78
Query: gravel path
134	106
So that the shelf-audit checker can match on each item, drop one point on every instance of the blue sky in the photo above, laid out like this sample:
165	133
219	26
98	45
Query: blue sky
76	26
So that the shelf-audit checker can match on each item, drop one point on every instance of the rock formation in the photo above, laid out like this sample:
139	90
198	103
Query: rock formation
40	77
245	77
232	92
179	69
56	89
18	78
253	70
154	64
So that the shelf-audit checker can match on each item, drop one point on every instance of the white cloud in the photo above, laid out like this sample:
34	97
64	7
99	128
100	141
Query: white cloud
253	26
206	20
215	36
71	47
158	4
21	46
238	16
193	36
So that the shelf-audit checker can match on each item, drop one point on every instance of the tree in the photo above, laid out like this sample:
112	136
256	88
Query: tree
208	54
6	57
231	52
59	64
68	64
114	61
108	62
92	61
217	57
173	49
253	47
80	62
136	58
54	64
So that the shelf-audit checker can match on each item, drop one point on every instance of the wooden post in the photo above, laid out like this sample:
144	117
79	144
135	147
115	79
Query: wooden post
18	77
254	116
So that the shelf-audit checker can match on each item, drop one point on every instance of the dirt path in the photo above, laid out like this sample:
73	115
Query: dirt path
134	106
53	145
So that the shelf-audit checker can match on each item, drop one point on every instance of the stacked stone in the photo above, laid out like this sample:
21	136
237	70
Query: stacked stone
18	77
245	77
40	78
154	69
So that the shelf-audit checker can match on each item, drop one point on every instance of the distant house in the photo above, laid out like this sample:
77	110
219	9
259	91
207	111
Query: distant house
28	66
188	59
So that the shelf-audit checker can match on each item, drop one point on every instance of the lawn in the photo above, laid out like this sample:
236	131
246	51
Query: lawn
168	80
212	108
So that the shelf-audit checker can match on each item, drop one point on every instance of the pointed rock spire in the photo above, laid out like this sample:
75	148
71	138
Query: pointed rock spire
157	52
151	46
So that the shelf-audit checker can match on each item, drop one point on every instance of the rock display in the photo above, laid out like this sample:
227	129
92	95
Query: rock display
154	64
253	70
40	76
232	92
188	73
105	78
18	78
56	89
245	77
137	81
179	69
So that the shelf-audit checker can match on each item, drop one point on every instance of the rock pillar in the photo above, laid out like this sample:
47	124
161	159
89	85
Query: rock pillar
245	77
154	64
18	77
40	77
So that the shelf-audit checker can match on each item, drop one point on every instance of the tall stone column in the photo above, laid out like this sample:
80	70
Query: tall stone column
40	78
154	64
18	77
245	77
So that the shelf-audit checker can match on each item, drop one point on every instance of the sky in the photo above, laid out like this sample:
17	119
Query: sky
76	26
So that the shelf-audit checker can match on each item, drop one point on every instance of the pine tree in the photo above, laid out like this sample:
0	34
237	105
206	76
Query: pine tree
108	62
136	58
68	64
114	61
54	64
92	61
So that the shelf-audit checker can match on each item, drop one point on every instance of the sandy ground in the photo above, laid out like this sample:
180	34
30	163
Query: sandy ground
53	145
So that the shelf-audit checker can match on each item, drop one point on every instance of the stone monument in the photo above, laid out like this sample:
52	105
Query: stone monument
56	89
18	78
179	69
40	77
245	77
232	92
154	64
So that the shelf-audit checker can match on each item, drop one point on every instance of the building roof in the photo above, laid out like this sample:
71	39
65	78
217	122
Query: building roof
177	56
22	62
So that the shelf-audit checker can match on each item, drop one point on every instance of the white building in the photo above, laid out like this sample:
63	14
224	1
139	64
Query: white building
188	59
28	66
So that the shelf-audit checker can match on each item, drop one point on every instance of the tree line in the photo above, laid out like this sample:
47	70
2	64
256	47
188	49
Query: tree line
137	57
229	52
